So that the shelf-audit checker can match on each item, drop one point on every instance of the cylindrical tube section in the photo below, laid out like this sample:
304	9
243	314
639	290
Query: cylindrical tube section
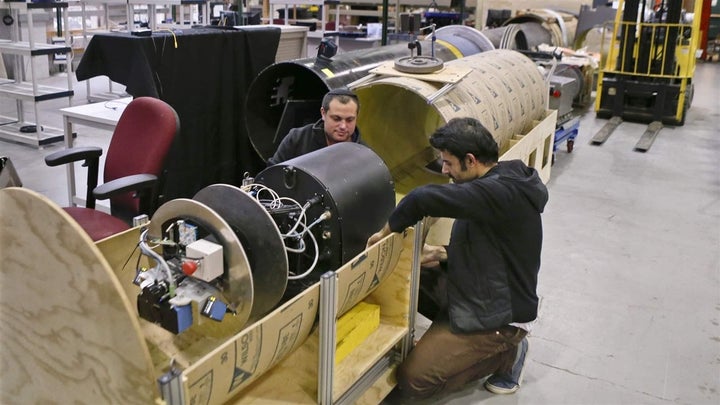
288	94
546	26
504	90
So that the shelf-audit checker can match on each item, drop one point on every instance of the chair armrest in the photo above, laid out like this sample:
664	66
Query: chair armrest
136	182
64	156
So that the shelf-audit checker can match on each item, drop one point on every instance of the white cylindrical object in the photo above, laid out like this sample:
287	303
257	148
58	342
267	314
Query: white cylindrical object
504	91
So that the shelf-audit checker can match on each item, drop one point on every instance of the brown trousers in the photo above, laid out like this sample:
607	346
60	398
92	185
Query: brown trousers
443	361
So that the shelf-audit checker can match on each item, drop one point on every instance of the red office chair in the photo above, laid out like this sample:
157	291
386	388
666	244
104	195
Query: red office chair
133	167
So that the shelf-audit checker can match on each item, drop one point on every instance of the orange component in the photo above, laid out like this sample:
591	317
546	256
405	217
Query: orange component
189	267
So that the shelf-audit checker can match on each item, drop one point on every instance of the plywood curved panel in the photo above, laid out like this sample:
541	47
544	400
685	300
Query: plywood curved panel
67	332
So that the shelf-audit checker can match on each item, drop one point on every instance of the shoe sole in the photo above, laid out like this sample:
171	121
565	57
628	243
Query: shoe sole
505	391
499	390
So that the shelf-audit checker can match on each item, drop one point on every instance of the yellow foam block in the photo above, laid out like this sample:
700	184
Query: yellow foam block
354	327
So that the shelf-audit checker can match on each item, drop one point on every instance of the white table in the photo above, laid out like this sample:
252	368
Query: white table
102	115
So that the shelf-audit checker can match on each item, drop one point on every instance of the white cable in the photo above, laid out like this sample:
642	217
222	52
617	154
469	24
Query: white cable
145	249
276	202
301	249
259	188
301	217
312	266
325	215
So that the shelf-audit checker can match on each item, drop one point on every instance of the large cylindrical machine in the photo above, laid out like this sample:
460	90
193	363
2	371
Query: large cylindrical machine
288	94
241	250
349	184
503	89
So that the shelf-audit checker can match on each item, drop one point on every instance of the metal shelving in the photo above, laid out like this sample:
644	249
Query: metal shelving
26	89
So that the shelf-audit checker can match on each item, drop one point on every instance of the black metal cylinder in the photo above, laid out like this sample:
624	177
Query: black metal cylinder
359	195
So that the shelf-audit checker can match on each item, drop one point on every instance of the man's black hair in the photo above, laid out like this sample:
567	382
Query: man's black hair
343	95
461	136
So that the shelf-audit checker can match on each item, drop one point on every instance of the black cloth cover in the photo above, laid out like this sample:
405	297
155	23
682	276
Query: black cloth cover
205	78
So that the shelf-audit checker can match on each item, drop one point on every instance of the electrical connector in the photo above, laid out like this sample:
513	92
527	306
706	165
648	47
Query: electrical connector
214	309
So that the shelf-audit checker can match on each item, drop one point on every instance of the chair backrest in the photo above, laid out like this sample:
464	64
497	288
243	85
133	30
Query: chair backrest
139	145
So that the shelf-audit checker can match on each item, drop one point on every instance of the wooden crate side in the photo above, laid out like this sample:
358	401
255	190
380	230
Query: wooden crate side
282	342
67	331
393	297
235	365
382	387
535	147
366	271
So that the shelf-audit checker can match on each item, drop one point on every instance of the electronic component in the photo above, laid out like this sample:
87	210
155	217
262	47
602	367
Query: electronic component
208	257
214	309
180	280
235	250
187	233
153	304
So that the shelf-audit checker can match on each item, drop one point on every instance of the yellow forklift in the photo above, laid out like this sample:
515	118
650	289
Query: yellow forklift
650	65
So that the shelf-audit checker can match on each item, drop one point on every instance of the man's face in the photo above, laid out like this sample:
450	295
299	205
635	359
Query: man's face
455	169
340	120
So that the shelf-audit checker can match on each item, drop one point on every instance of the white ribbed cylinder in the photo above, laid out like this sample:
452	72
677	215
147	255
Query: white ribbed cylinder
504	91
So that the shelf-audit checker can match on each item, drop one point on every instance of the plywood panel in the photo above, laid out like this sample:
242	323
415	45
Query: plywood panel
81	338
66	330
276	359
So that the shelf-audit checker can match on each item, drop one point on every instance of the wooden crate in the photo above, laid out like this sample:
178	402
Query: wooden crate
68	312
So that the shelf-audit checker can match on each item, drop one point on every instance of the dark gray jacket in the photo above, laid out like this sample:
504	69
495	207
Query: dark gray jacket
300	141
495	244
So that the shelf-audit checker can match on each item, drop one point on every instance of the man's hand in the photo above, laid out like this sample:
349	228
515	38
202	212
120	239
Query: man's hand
377	236
432	255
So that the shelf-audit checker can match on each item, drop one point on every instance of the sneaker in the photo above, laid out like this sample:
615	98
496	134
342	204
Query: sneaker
509	383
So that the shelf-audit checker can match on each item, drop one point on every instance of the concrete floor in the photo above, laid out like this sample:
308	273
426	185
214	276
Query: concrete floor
630	283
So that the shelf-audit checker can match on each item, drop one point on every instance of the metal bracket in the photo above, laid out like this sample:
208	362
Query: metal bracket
328	312
170	385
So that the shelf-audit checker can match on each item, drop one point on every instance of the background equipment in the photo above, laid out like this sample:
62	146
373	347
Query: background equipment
648	76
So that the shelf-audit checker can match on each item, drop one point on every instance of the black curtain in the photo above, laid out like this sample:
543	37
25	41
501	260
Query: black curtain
205	78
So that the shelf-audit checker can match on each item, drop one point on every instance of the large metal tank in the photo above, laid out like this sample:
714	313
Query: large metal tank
503	89
288	94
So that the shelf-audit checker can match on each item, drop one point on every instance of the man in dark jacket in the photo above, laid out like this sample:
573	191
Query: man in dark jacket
339	111
492	264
